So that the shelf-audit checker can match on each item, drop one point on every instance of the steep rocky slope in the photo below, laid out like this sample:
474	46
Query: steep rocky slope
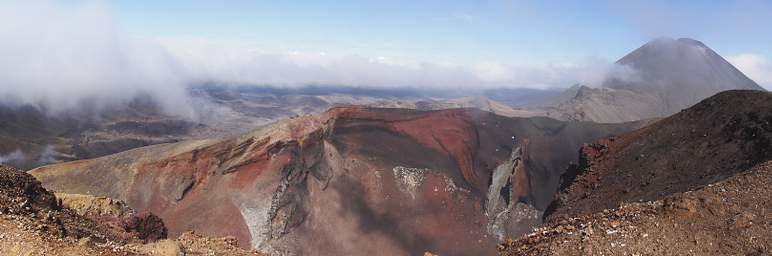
665	76
350	181
715	139
694	171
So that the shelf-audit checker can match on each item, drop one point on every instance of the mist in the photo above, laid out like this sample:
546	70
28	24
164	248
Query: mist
234	63
47	155
15	156
65	57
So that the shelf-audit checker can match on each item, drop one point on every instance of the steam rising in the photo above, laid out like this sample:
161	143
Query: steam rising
47	155
13	157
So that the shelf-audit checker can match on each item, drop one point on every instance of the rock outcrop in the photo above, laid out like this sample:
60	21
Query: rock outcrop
115	213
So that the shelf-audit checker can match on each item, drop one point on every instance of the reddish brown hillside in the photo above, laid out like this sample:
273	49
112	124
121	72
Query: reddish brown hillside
730	217
350	181
717	138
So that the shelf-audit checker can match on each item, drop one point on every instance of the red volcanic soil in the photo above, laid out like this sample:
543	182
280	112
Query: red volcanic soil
350	181
717	138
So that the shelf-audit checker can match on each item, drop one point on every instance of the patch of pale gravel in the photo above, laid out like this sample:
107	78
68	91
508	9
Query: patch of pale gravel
409	179
450	186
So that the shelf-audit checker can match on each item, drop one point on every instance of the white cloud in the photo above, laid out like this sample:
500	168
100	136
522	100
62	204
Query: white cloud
249	63
755	66
493	72
65	56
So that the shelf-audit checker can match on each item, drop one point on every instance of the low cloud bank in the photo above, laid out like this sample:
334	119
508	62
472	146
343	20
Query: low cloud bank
65	57
233	62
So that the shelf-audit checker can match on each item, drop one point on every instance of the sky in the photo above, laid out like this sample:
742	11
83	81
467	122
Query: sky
458	32
515	32
96	48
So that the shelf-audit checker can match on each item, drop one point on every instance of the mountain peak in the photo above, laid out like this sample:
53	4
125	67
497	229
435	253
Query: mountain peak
664	40
681	71
691	41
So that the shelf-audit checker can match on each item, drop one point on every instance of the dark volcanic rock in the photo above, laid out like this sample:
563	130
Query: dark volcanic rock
147	226
713	140
22	193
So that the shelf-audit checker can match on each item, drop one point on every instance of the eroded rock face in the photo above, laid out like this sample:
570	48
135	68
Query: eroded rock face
350	181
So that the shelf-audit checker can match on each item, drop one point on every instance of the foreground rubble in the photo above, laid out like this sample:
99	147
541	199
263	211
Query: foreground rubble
34	222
